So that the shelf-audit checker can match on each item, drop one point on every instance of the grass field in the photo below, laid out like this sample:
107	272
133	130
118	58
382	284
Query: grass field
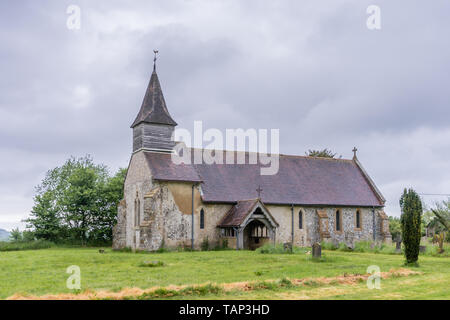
40	272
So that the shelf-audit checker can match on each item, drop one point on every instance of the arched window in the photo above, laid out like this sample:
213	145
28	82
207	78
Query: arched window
300	219
202	219
338	220
358	219
137	211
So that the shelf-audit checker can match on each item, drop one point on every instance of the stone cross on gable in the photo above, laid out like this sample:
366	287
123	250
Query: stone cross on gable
354	152
259	191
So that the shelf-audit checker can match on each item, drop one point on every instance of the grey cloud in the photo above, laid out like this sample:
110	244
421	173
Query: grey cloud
310	68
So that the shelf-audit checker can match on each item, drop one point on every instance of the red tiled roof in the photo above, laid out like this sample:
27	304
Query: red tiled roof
300	181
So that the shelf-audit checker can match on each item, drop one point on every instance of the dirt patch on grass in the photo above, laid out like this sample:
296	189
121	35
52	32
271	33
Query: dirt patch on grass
172	290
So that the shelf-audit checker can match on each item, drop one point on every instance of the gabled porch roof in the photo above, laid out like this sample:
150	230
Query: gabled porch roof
238	215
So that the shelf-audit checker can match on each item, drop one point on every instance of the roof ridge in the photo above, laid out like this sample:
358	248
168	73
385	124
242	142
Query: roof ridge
280	154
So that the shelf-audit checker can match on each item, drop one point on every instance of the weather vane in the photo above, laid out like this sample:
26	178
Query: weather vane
154	59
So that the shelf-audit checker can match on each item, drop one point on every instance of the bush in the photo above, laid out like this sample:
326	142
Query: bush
205	244
328	245
344	247
31	245
279	249
151	264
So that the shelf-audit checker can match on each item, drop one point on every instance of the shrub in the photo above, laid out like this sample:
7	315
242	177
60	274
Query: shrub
280	249
411	207
225	244
205	244
151	264
31	245
328	245
285	282
344	247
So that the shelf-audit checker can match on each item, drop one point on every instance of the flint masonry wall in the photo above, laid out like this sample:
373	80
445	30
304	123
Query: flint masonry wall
165	217
310	232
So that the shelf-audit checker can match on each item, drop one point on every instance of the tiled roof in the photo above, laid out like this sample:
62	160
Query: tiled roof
300	181
237	214
163	168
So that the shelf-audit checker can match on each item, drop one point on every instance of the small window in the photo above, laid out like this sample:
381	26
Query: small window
338	220
137	212
358	219
202	219
300	219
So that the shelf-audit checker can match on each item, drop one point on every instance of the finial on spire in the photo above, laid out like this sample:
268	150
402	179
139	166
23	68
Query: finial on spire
154	59
354	152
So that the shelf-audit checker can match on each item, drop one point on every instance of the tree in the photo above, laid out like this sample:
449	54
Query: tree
110	193
411	207
45	219
325	153
77	202
15	235
395	227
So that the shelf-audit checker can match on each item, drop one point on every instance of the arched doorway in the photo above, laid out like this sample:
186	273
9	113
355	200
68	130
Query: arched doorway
252	224
256	234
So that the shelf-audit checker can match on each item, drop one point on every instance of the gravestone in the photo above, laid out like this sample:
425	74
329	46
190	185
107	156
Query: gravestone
287	246
422	249
316	250
398	244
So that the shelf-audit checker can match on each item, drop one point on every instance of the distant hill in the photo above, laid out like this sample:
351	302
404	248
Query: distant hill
4	235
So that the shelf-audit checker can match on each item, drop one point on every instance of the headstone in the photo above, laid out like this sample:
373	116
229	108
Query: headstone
422	249
287	246
316	250
398	245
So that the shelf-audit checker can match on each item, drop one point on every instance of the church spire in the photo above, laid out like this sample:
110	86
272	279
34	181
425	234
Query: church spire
154	109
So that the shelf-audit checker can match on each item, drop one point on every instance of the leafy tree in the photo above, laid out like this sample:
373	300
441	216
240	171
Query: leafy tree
395	227
325	153
15	235
45	218
77	202
411	206
442	215
110	192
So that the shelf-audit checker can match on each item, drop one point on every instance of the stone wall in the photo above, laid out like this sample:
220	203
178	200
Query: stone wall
137	183
119	230
165	217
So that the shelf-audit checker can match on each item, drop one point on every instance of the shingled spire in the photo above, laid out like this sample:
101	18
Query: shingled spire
153	126
154	109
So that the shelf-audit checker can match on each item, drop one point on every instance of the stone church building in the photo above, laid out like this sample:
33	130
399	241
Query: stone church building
309	200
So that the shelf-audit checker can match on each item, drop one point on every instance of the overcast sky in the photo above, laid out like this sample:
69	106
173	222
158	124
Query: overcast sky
310	68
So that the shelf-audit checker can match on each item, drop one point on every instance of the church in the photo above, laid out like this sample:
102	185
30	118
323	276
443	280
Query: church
309	199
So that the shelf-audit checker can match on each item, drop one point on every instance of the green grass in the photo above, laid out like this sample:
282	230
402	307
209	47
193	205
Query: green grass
40	272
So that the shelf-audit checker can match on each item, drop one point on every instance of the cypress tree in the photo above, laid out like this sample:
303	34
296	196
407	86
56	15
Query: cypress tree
411	207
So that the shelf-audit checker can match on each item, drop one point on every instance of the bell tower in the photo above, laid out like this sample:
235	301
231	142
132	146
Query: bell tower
153	126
